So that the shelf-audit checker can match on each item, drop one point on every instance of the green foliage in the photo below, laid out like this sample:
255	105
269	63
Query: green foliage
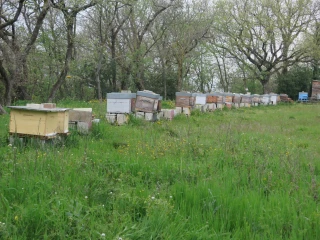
249	173
298	79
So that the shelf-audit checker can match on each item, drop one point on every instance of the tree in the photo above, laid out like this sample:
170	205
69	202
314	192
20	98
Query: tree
296	80
13	63
69	14
263	32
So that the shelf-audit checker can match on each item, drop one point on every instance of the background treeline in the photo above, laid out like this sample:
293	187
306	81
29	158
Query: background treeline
79	49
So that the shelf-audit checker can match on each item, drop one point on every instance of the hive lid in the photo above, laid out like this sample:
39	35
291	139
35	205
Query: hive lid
199	95
183	94
148	94
40	109
117	95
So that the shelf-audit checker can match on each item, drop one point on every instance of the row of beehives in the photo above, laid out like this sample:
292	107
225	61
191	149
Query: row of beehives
147	105
184	99
47	121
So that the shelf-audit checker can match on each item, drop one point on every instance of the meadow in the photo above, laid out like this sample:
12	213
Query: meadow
249	173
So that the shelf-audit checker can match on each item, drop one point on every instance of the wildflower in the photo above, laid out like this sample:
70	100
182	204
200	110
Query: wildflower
86	197
103	235
153	198
16	218
170	196
10	145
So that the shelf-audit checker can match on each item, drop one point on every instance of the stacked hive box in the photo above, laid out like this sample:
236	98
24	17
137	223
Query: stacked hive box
119	105
255	99
236	100
228	99
200	101
284	97
184	102
147	105
220	100
273	98
246	100
265	99
80	119
315	90
212	101
35	120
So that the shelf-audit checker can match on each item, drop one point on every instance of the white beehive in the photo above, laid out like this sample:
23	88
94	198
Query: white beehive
120	102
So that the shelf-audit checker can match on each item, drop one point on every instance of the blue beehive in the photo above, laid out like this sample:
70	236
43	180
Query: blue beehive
303	96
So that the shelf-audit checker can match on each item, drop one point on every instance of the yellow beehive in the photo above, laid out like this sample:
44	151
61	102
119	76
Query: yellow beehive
43	122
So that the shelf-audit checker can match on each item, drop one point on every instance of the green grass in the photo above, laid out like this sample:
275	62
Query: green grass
249	173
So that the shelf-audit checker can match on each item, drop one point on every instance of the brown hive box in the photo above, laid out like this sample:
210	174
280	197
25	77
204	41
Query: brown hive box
228	97
147	101
44	122
315	89
184	99
236	98
211	99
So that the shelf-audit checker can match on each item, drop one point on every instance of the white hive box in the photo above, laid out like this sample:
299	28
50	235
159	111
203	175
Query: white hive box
273	98
120	102
200	98
43	122
265	99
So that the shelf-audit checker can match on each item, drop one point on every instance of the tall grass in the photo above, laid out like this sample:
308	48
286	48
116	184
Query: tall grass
250	173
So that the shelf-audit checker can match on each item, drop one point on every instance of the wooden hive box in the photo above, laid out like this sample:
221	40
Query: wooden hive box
120	102
184	99
284	97
43	122
147	101
160	104
256	98
200	98
265	99
212	97
83	115
246	99
315	89
236	98
228	97
220	98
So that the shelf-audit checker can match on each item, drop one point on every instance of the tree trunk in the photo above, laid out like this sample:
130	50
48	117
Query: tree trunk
7	83
65	70
98	71
180	74
2	111
113	61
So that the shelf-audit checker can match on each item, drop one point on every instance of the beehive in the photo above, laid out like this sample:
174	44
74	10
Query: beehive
120	102
237	98
212	97
303	96
284	97
220	98
255	98
147	101
160	104
184	99
315	89
43	122
246	99
273	98
265	99
228	97
200	98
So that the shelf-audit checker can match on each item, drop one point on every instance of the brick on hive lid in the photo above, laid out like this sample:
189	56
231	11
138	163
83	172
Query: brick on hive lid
49	105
